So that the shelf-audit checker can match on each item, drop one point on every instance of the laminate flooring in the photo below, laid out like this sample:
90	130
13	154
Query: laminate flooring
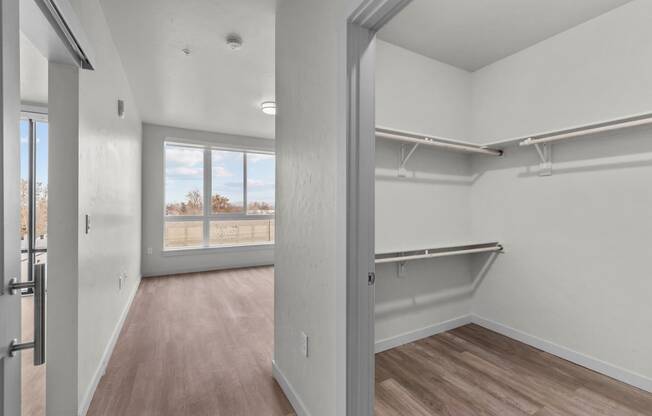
197	344
471	371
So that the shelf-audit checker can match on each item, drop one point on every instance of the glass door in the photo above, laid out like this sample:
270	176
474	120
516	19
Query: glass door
34	244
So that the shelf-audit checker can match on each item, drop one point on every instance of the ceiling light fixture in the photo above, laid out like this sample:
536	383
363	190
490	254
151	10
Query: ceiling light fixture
234	41
268	107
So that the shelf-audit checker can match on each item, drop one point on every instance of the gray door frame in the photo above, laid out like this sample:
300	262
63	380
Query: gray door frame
56	32
362	26
10	206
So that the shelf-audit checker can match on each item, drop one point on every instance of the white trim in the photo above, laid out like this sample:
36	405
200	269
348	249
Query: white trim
233	248
355	356
637	380
290	393
183	270
408	337
101	369
633	379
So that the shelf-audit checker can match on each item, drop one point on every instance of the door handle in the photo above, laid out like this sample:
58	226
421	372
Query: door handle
39	284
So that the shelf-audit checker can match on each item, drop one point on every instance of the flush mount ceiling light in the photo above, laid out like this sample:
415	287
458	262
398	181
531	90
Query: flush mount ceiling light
234	41
268	107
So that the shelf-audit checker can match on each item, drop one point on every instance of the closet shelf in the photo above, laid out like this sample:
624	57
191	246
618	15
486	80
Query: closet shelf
577	131
420	139
440	251
491	148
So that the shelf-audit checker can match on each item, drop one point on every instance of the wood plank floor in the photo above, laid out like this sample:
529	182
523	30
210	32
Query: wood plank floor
201	344
32	378
472	371
196	344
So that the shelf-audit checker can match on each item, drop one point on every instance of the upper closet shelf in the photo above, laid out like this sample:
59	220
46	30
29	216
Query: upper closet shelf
441	142
577	131
440	251
541	141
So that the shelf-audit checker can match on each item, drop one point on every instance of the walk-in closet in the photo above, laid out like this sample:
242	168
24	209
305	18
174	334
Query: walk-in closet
513	207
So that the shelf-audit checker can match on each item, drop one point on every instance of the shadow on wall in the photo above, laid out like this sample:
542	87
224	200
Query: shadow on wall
445	286
627	148
426	166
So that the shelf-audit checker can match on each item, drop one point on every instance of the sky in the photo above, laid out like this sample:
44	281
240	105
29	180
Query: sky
184	173
41	151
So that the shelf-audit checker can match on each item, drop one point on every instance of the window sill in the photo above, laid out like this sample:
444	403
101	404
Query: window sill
215	249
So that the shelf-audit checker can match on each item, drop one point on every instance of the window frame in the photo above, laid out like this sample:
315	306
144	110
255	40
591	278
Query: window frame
208	215
33	116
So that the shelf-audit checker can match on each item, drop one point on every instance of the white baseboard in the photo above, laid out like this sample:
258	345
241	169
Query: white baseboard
406	338
610	370
101	369
185	270
290	393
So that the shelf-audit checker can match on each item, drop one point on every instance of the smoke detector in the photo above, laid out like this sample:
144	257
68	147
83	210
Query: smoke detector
234	41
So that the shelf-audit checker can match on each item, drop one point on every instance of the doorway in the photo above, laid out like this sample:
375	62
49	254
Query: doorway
33	250
33	190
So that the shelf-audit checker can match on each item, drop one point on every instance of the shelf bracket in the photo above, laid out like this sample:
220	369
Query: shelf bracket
401	269
545	154
404	156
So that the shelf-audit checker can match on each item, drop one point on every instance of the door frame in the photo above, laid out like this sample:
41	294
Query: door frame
54	29
10	206
362	26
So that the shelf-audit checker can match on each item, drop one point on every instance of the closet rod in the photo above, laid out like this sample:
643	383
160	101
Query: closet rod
427	255
436	142
591	129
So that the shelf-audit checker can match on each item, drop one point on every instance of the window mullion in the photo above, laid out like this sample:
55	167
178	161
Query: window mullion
244	182
208	186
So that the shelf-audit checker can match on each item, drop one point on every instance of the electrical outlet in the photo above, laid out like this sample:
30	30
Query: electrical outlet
149	250
304	344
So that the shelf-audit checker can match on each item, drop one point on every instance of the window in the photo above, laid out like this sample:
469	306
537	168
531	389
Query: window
217	198
33	192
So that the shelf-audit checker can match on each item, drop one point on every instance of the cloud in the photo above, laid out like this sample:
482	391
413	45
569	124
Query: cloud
257	157
184	171
258	184
186	157
222	172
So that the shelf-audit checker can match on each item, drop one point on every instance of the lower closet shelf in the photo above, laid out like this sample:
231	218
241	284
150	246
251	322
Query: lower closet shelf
440	251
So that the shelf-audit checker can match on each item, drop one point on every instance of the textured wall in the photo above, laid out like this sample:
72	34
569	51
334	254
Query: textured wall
429	207
576	271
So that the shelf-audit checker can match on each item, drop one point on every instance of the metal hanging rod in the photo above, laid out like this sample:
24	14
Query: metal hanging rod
611	125
399	257
444	143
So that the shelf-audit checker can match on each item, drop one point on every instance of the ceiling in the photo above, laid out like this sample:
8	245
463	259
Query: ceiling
33	74
214	88
471	34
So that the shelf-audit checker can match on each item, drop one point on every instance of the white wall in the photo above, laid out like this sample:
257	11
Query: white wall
596	71
109	190
576	269
310	265
431	205
160	262
63	267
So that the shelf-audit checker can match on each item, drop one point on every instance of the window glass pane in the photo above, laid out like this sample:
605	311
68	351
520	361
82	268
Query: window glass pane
41	191
184	180
180	234
241	232
24	196
228	182
24	182
260	183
